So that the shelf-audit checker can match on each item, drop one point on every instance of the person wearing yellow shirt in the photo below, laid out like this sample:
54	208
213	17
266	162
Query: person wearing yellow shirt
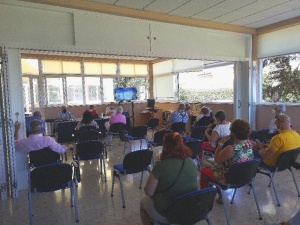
287	139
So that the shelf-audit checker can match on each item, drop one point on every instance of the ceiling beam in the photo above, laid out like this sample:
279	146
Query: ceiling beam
141	14
279	26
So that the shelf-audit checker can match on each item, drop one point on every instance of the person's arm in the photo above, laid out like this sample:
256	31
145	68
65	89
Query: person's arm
17	128
266	153
151	185
214	135
221	155
56	147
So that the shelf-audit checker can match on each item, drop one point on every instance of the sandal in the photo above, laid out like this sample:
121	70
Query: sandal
219	200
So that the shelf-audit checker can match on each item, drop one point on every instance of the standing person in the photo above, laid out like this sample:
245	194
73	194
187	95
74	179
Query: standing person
179	115
36	140
92	110
278	110
110	109
118	117
221	129
287	139
239	151
64	114
37	115
87	120
175	174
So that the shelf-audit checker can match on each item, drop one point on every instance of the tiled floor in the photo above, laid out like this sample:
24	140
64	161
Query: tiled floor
96	206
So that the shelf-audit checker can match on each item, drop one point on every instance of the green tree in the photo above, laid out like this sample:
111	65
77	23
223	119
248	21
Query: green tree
281	82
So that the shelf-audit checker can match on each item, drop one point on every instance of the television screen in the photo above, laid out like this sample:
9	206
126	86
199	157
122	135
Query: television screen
150	103
125	94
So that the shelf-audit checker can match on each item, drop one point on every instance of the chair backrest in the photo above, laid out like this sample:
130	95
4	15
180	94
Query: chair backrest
51	177
178	127
137	160
88	127
192	207
139	131
242	173
87	135
116	127
89	148
286	159
153	123
159	136
198	132
43	157
195	146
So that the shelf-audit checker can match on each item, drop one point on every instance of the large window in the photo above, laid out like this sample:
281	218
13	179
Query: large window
78	82
281	78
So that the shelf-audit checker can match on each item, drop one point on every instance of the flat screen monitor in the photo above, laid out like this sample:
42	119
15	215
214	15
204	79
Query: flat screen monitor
150	103
125	94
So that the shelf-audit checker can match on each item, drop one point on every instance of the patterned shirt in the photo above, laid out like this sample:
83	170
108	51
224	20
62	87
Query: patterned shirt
178	116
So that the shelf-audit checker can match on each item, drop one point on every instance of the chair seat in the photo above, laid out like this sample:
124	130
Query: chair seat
189	138
120	169
50	189
87	157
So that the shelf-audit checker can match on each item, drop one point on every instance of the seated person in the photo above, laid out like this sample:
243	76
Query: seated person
174	165
221	129
92	110
188	109
87	120
278	110
37	115
286	140
64	114
118	117
206	118
36	140
178	116
110	109
239	151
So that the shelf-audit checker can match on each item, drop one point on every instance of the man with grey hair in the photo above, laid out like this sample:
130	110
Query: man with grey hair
37	115
278	110
36	140
178	116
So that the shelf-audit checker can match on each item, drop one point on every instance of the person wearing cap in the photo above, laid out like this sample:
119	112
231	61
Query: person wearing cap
278	110
287	139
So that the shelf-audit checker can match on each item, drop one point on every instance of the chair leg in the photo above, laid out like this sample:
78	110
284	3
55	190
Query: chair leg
30	205
208	220
255	198
122	190
74	193
295	181
113	183
225	207
141	179
104	168
274	187
231	202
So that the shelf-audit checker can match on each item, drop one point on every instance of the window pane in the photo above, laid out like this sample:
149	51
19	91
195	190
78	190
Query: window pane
161	90
92	90
141	69
141	84
108	90
127	69
71	67
52	66
30	66
55	91
92	68
36	93
74	88
26	95
109	68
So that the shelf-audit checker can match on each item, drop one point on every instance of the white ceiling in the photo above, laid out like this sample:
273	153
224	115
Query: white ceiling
245	13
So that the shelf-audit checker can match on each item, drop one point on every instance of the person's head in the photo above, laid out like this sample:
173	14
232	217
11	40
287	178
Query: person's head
38	114
87	117
181	106
64	109
119	109
240	129
279	109
204	110
36	127
220	116
91	107
188	107
173	147
283	122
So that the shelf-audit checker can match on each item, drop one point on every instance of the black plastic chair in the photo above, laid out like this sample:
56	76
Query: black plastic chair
158	138
87	135
196	134
89	150
239	175
153	125
179	127
285	162
190	208
49	178
196	148
114	130
134	162
137	133
43	157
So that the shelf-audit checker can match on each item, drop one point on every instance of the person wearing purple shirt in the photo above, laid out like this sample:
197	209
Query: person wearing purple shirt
36	140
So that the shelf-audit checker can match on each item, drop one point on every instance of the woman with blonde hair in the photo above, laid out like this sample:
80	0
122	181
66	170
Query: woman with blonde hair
175	174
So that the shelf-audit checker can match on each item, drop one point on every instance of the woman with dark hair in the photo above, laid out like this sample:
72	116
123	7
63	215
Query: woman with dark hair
87	120
205	118
239	151
175	174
